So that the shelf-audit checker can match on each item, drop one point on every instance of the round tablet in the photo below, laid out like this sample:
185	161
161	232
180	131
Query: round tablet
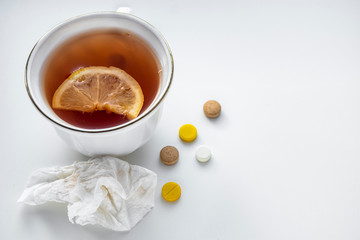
171	191
187	132
212	109
203	154
169	155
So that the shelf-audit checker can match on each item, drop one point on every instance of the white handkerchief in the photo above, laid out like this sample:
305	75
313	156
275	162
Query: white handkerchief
105	191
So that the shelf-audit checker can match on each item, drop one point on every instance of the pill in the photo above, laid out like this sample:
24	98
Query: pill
203	153
171	191
212	109
187	132
169	155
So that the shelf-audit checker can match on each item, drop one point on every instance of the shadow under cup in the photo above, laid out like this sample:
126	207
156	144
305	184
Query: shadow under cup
118	140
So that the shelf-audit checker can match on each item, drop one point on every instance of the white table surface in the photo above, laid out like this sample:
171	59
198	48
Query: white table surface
286	149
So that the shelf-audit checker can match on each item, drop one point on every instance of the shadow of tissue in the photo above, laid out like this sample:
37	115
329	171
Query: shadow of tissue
54	217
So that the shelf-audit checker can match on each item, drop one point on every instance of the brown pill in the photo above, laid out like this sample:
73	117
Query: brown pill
169	155
212	109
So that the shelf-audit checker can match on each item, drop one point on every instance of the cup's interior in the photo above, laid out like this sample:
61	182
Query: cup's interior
85	23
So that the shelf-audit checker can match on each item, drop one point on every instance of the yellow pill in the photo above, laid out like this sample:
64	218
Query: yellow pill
187	132
171	191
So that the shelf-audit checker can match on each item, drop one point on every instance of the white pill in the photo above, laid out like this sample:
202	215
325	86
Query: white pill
203	154
124	10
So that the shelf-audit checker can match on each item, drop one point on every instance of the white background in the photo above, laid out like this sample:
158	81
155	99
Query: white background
286	148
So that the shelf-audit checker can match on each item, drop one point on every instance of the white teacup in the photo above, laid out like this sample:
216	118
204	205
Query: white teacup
119	140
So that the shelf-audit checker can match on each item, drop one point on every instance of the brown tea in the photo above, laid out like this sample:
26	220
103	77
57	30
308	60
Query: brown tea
116	48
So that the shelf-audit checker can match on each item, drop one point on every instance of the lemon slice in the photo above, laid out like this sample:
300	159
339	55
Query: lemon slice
92	89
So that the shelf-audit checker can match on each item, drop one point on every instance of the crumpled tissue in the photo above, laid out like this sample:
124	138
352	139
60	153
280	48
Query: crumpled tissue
104	190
